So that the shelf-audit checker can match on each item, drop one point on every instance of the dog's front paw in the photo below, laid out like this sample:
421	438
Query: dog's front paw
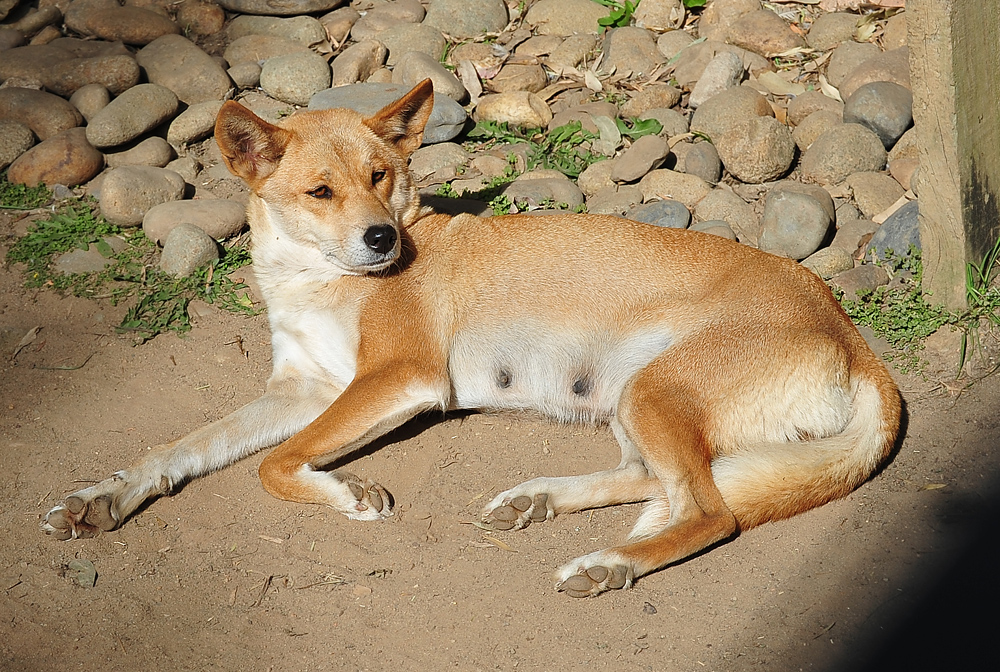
371	501
507	512
592	575
82	514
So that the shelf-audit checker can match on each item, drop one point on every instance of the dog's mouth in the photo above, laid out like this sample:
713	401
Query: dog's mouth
375	262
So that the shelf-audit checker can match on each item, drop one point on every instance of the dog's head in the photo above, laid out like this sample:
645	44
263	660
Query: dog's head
333	179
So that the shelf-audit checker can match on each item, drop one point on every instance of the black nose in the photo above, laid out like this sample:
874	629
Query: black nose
381	239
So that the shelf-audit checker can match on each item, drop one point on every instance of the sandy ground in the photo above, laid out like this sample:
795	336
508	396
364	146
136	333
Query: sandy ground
221	576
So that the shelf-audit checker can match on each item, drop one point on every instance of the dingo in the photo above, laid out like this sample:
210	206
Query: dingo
738	389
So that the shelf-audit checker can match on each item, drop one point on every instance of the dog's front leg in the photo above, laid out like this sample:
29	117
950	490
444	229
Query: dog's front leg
373	404
287	407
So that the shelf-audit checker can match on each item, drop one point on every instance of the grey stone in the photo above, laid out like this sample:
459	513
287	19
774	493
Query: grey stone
763	32
830	29
614	200
339	22
132	25
659	15
517	108
446	121
874	192
890	66
539	192
631	49
723	72
673	42
464	19
703	160
715	227
15	139
673	122
153	151
138	110
813	126
305	30
358	62
186	249
128	193
195	123
219	218
850	232
279	7
663	183
430	159
245	75
722	204
565	17
46	114
667	213
651	97
518	77
883	107
417	66
571	52
897	234
90	99
719	15
596	176
803	105
860	280
794	224
846	58
829	261
90	260
645	154
728	111
177	63
295	78
759	150
259	48
842	151
115	73
407	37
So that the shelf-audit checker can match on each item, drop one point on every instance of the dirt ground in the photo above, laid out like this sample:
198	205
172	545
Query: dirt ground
221	576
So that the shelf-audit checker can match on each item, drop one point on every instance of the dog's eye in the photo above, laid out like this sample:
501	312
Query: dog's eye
321	191
377	176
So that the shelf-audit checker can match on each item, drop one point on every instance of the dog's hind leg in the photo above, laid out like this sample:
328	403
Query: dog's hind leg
546	497
667	425
283	410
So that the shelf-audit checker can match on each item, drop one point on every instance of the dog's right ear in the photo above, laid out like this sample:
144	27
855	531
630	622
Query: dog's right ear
251	147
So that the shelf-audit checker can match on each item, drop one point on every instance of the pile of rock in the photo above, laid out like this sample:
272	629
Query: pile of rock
788	132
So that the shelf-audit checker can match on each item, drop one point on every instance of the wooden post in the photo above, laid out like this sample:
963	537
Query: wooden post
955	74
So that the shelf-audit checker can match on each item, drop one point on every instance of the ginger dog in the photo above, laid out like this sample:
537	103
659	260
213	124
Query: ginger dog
738	389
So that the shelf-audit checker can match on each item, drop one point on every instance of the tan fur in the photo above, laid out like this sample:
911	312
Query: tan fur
738	389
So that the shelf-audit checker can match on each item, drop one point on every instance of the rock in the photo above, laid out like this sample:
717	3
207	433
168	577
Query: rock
585	114
794	224
31	61
565	17
186	249
374	22
716	228
517	108
631	49
358	62
891	66
178	64
131	25
519	78
722	204
152	151
538	45
645	154
874	192
663	183
339	22
115	73
259	48
703	160
846	58
572	50
65	158
897	234
15	139
90	99
894	33
813	126
673	42
219	218
417	66
200	18
829	30
851	232
44	113
90	260
803	105
129	192
433	158
673	122
903	170
195	123
138	110
295	78
719	15
596	176
723	72
821	195
667	213
245	75
186	166
407	37
659	15
614	200
463	19
841	151
692	61
651	97
11	38
829	261
763	32
446	121
860	280
545	192
278	7
759	150
305	30
883	107
728	111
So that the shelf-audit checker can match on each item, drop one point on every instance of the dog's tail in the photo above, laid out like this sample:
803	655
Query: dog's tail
771	482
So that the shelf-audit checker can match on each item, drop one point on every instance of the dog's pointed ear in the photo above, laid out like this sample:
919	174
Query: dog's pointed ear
251	147
402	123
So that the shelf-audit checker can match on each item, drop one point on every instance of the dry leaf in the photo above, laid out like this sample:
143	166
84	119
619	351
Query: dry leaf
28	339
592	82
934	486
828	89
499	544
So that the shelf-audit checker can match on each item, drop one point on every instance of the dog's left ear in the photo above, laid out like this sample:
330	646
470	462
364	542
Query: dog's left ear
402	123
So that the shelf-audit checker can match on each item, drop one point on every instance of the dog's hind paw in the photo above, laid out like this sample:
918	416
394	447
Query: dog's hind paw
372	500
506	512
592	575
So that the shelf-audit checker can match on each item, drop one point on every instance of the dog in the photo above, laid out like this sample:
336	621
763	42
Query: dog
738	389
